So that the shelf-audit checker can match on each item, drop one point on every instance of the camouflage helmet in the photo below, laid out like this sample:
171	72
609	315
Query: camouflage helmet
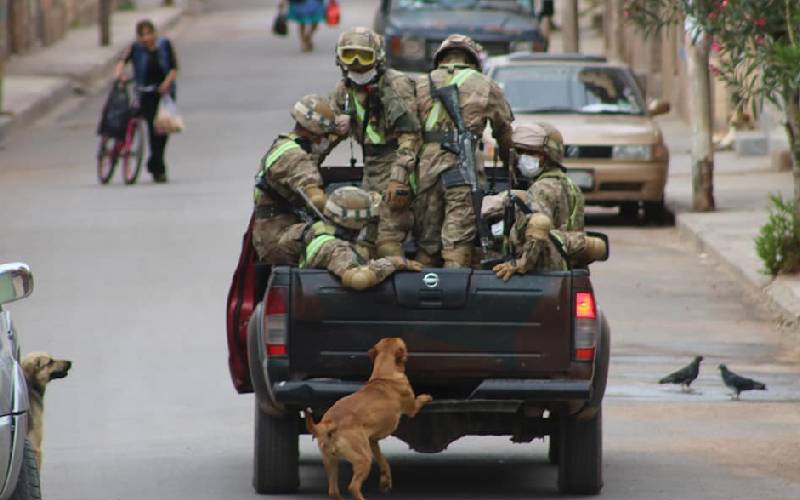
361	39
459	42
539	137
352	207
314	113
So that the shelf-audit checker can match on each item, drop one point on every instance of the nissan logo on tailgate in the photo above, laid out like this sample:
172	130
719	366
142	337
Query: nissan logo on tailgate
431	280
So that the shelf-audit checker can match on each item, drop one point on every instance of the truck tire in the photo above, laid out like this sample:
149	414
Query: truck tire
580	461
276	454
28	487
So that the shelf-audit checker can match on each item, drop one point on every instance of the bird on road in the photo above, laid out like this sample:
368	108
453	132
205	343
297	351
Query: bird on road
685	376
738	383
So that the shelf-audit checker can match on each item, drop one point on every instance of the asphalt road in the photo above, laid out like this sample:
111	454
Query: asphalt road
131	285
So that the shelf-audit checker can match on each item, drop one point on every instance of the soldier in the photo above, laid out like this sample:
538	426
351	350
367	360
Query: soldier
443	210
289	177
331	244
380	105
548	233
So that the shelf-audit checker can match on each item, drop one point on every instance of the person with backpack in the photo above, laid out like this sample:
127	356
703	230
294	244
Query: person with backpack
155	70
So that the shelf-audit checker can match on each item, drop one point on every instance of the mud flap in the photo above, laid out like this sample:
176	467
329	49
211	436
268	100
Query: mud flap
241	302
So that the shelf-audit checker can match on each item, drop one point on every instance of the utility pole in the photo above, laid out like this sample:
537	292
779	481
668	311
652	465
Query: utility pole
569	26
168	3
700	110
105	22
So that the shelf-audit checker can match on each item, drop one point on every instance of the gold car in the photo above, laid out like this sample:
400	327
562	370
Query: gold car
613	148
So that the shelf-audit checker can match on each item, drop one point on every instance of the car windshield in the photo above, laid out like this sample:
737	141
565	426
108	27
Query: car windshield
569	89
524	6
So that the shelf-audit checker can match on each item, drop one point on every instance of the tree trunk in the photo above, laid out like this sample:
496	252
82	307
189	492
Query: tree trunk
700	110
105	22
569	26
793	131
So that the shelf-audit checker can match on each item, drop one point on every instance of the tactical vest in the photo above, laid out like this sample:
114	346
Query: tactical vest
370	134
459	77
269	159
573	192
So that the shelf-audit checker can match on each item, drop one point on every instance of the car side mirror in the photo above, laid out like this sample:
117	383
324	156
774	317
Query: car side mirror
658	107
16	282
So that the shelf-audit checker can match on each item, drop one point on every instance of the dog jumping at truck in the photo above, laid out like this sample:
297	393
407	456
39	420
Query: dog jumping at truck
40	368
352	427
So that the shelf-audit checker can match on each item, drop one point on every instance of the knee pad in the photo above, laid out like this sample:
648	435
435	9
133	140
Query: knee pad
538	228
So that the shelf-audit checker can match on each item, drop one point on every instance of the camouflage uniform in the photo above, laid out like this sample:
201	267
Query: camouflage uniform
443	210
389	138
331	245
288	179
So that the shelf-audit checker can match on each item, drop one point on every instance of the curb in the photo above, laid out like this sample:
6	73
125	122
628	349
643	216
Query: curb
779	297
48	102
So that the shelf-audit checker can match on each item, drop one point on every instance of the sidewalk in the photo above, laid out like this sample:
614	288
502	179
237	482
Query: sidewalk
35	82
741	187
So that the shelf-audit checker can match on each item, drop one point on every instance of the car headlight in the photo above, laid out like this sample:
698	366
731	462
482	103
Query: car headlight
522	46
642	152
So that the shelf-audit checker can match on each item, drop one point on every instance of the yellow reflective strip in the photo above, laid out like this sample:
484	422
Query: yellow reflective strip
557	236
314	246
374	136
458	79
273	157
412	182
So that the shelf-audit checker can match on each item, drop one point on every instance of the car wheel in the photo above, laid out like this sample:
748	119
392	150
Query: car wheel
552	447
276	453
580	461
28	487
629	210
654	212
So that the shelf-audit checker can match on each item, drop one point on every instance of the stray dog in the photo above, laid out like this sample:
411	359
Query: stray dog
39	369
352	427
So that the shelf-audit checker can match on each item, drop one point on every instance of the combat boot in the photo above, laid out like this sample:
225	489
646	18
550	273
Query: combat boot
459	256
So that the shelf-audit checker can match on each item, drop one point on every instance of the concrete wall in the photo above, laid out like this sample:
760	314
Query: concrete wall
659	60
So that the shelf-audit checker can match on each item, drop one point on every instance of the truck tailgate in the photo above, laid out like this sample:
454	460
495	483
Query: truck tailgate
456	322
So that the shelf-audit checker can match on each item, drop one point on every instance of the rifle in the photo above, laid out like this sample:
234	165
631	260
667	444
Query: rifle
462	143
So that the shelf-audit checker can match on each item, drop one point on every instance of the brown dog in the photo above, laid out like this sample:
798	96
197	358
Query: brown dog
39	369
352	427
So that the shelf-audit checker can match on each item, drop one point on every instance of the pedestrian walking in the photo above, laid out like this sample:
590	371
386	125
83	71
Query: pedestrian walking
307	14
155	70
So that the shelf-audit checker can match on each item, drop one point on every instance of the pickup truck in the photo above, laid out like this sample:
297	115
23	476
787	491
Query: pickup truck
527	358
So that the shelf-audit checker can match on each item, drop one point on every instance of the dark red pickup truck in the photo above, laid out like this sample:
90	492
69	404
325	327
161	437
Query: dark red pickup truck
526	359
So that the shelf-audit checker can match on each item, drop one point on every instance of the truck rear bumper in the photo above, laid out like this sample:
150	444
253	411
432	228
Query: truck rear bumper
490	395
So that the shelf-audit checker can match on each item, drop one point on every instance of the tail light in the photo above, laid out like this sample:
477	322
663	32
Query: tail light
585	326
275	322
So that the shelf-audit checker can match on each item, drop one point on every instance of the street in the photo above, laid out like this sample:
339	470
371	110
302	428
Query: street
131	284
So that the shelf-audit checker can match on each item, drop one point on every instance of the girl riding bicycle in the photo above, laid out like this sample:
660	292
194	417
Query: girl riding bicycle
155	69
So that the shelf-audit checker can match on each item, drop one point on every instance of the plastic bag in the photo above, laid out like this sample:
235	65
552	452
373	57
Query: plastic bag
332	13
167	121
116	113
279	26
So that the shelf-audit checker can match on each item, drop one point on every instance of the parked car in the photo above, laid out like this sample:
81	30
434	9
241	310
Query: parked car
19	479
414	29
527	358
614	150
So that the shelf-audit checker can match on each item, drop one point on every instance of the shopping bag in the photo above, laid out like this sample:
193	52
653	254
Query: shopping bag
332	13
116	113
279	25
167	121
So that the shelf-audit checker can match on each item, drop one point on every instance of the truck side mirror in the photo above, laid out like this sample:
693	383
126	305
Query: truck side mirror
658	107
16	282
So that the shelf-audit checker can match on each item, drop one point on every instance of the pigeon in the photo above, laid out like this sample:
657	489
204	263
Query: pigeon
685	376
738	383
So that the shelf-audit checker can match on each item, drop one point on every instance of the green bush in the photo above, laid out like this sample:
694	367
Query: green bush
778	245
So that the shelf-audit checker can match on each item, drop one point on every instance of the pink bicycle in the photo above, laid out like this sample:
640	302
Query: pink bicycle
129	149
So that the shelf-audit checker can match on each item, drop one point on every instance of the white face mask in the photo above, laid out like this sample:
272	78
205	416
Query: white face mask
362	78
529	166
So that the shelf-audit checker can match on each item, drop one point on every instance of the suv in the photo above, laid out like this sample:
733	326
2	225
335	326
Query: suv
527	358
20	477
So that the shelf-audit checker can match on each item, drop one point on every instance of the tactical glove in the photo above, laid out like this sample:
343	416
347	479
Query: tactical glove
316	196
397	195
403	264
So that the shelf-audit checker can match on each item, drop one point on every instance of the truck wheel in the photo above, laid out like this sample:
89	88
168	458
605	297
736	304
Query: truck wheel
655	213
580	461
28	480
275	460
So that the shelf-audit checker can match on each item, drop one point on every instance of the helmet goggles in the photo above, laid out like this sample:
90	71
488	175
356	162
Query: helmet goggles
348	55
